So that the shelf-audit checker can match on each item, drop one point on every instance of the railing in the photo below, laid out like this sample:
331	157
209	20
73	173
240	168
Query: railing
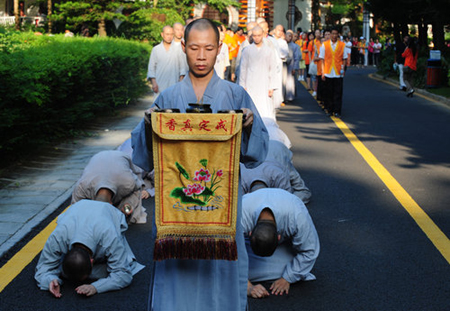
7	20
38	21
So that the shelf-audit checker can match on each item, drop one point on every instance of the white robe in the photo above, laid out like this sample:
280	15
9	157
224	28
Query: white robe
257	69
298	247
222	61
278	93
100	227
244	44
165	66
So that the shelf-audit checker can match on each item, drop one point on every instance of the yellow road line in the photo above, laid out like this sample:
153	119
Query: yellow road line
22	258
437	237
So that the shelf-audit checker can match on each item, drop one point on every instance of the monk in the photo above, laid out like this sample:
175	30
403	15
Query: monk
186	284
257	71
165	67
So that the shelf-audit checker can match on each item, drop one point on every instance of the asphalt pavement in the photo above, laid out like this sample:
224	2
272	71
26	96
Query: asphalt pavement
373	254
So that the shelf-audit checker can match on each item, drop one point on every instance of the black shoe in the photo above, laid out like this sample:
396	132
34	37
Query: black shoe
410	93
337	115
404	89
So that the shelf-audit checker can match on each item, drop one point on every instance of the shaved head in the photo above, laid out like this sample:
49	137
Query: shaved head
167	34
265	27
251	25
178	31
201	24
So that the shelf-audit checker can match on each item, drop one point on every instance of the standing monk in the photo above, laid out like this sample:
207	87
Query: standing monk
333	54
292	66
257	71
165	67
212	285
178	32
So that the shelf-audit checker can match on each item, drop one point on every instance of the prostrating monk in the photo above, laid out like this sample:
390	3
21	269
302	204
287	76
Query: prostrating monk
283	244
333	54
113	170
87	244
256	74
277	171
165	67
212	285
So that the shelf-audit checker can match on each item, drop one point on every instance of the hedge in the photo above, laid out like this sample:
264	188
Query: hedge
51	86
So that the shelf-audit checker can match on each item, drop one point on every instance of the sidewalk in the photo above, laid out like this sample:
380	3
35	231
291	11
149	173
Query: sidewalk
421	92
36	189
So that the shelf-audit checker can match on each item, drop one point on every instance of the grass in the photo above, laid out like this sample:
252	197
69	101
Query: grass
441	91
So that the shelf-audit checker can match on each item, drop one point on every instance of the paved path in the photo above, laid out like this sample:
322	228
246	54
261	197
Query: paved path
36	189
373	256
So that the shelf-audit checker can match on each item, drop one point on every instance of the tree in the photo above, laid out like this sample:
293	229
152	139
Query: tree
76	13
417	12
100	12
16	14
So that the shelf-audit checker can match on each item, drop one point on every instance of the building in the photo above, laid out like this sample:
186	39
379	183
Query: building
30	11
292	14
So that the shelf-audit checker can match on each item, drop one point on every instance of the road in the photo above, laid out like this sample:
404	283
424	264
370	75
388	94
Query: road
374	255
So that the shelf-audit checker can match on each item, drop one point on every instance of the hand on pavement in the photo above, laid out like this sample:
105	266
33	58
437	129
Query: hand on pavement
55	288
280	286
256	291
86	289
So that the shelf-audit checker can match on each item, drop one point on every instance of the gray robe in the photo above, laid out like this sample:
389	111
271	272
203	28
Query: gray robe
279	153
100	227
113	170
292	64
205	285
166	66
298	247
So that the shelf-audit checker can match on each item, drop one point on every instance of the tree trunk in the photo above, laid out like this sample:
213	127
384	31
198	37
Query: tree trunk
423	36
16	14
438	34
49	15
315	18
397	36
102	28
404	29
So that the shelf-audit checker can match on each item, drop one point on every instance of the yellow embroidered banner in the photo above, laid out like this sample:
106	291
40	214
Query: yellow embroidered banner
196	160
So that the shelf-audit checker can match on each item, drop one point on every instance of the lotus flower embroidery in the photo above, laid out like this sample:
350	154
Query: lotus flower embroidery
202	191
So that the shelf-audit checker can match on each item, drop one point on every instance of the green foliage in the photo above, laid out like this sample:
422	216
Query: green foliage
182	170
178	193
147	24
184	7
50	86
76	13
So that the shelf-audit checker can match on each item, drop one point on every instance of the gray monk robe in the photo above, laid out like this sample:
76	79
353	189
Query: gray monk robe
279	153
100	227
277	171
113	170
205	285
